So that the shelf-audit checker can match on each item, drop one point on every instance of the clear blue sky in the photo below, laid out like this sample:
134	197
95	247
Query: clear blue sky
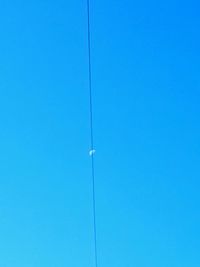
146	63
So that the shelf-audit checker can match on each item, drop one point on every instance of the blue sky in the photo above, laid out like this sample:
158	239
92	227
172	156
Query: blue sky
145	59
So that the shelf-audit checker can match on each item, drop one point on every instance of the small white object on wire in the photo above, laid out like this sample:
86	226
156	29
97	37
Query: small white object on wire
92	152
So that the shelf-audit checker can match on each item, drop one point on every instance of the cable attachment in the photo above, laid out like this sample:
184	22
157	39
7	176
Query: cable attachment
92	152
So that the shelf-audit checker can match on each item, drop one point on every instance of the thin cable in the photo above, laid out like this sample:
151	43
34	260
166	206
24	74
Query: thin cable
91	132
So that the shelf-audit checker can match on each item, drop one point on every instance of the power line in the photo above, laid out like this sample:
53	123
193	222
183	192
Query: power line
91	131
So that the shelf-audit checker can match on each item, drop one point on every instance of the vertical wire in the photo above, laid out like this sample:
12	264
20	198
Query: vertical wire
91	132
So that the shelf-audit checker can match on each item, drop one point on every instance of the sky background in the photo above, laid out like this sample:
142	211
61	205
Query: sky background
146	92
